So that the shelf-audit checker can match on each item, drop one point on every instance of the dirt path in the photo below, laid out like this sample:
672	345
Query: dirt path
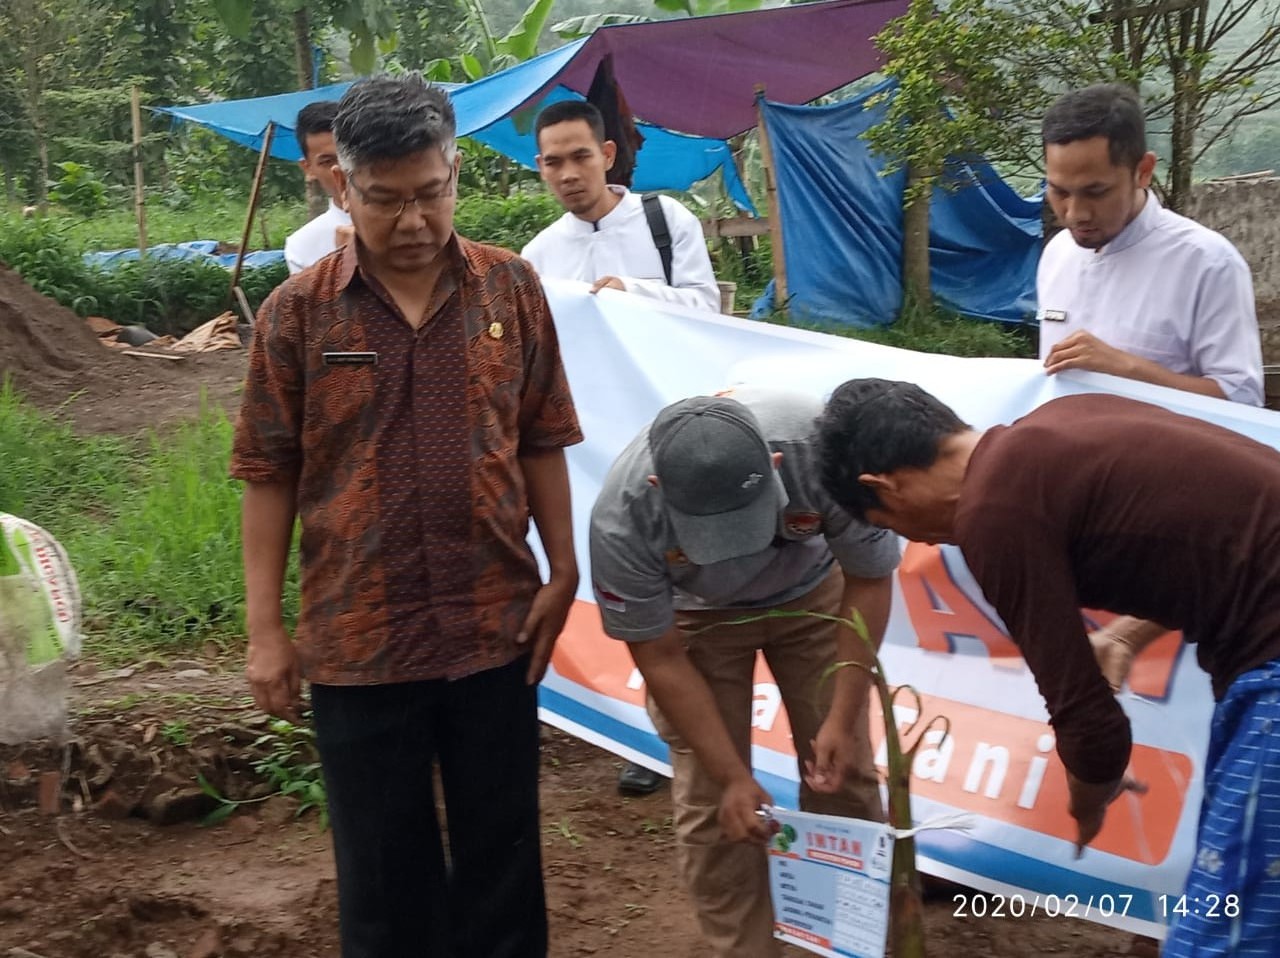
88	883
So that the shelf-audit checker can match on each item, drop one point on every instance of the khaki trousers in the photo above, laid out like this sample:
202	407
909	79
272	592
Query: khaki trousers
728	882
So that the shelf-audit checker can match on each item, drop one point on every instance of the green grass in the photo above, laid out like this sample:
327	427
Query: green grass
935	331
152	527
215	218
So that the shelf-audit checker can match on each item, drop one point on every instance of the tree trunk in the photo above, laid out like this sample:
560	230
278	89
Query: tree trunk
917	296
302	49
317	199
10	188
1186	32
34	97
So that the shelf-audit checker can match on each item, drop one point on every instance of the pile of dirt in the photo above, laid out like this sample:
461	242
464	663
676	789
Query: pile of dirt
40	337
56	362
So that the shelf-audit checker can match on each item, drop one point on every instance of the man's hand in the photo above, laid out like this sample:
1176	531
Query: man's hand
1118	644
1083	350
608	282
1115	656
833	756
273	673
1088	804
738	805
544	623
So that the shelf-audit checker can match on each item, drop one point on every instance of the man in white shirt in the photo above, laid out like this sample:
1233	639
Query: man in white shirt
332	228
605	238
1130	288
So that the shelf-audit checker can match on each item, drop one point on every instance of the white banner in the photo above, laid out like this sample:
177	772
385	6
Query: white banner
628	357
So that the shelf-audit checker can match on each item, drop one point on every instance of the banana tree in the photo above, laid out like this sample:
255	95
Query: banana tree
489	53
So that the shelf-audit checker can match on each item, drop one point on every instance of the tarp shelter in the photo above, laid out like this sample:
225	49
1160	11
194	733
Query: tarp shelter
667	161
842	224
696	76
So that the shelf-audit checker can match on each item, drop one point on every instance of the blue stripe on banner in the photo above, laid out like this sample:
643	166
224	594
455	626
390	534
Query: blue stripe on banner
633	738
947	848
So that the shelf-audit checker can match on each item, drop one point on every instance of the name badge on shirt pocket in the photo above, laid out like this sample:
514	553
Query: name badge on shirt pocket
1052	316
350	359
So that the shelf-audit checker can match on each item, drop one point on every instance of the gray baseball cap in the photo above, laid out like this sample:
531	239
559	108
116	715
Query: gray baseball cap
716	475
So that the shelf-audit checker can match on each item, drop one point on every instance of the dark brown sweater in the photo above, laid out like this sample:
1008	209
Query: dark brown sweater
1108	503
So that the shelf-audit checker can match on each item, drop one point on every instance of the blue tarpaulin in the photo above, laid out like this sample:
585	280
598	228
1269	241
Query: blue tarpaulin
842	225
206	250
667	161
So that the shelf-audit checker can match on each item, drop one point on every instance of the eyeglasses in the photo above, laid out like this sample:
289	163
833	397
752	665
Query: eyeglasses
393	207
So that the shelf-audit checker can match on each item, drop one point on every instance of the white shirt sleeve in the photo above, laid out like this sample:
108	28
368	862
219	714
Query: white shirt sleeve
291	255
1225	343
693	283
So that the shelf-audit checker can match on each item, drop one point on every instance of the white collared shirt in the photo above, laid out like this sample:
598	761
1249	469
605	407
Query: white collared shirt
314	240
1166	289
621	245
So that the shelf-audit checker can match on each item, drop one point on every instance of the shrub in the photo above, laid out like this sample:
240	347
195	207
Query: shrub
47	261
509	221
166	296
78	189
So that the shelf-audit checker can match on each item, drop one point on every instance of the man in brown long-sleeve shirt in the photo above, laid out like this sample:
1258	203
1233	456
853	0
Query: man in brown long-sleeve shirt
1103	502
406	401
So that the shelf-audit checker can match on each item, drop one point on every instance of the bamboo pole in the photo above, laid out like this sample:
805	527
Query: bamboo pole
139	198
775	213
253	201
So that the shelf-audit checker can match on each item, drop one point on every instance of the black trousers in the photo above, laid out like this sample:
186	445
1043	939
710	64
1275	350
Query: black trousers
398	897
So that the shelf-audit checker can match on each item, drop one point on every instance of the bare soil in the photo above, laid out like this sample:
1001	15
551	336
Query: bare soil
58	365
116	864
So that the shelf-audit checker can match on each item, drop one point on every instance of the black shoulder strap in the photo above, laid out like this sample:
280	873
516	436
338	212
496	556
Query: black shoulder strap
658	230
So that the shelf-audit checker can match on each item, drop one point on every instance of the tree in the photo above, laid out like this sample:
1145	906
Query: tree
958	93
370	25
1203	67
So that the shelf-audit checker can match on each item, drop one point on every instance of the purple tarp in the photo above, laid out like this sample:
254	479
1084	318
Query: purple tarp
699	76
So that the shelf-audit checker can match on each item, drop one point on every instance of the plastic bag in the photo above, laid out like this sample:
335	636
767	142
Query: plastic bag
39	631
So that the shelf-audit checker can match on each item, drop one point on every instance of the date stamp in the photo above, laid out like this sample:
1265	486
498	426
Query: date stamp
1020	905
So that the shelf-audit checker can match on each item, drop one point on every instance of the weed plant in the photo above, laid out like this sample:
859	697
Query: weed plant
152	527
53	477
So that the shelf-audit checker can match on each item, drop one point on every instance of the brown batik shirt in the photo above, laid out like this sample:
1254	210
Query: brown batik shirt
409	488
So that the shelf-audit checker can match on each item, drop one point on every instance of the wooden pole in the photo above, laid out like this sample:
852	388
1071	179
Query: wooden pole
139	199
253	201
775	213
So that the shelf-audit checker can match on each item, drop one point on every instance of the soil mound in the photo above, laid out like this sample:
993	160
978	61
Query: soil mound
39	336
57	363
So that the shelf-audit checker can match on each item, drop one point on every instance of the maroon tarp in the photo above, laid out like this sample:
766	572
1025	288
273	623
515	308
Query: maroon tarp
699	75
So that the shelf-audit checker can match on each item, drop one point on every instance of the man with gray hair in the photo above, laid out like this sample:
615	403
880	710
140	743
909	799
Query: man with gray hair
406	401
714	514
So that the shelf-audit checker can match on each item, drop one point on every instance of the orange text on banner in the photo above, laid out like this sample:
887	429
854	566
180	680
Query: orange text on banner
942	612
997	765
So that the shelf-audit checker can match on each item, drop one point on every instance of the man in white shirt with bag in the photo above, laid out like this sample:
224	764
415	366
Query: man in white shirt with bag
610	237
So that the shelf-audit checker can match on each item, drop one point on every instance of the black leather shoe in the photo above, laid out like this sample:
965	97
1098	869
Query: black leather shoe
637	780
